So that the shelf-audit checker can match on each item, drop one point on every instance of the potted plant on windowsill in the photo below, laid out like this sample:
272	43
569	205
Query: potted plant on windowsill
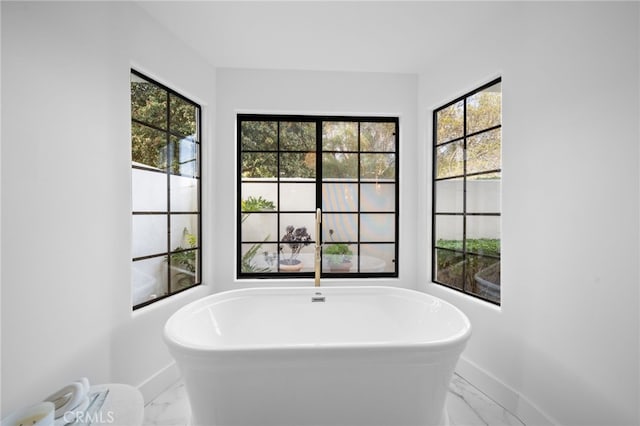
296	238
338	257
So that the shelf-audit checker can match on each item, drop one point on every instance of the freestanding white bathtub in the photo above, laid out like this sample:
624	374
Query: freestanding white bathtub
327	356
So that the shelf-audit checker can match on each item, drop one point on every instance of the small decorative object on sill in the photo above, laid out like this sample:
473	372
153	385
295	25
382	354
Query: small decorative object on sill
344	266
296	238
290	265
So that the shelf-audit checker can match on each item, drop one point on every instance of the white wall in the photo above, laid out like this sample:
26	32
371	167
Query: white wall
566	335
310	92
66	193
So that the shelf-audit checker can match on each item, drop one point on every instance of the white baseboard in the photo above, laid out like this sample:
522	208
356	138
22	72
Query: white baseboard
532	415
159	382
504	395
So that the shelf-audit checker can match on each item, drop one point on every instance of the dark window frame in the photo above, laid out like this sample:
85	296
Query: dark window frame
240	118
170	147
464	252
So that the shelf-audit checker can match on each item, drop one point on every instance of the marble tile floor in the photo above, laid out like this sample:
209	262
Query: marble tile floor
467	406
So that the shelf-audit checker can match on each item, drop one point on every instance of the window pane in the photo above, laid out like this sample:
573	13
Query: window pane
339	197
482	277
339	166
259	227
149	235
182	117
449	232
483	195
339	227
377	258
340	136
449	268
184	231
484	109
148	147
303	225
289	262
297	136
450	160
258	196
148	279
483	152
259	165
483	234
148	191
377	136
450	123
449	196
377	227
339	257
184	194
259	257
298	196
378	166
259	135
184	157
380	197
298	165
487	246
184	269
148	102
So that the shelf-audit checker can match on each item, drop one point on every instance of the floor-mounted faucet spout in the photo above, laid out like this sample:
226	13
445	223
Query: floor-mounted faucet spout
318	256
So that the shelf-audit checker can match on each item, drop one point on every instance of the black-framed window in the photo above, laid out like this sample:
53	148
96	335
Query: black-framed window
467	177
166	191
288	166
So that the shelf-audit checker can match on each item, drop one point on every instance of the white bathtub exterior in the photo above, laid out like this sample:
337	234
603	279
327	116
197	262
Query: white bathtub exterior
272	357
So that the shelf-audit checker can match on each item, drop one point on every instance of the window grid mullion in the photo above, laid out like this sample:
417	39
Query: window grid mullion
160	129
278	174
169	166
470	135
464	196
454	177
359	208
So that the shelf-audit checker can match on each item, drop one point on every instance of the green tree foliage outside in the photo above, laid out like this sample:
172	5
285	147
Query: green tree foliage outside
488	246
259	143
340	139
163	129
484	110
296	150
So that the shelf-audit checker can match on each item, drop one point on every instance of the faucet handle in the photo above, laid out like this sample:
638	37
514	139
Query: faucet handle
318	222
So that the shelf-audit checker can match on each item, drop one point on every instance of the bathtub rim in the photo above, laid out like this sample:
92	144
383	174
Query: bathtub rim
454	343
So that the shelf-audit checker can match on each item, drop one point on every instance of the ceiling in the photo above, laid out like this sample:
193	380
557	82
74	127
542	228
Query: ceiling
402	37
